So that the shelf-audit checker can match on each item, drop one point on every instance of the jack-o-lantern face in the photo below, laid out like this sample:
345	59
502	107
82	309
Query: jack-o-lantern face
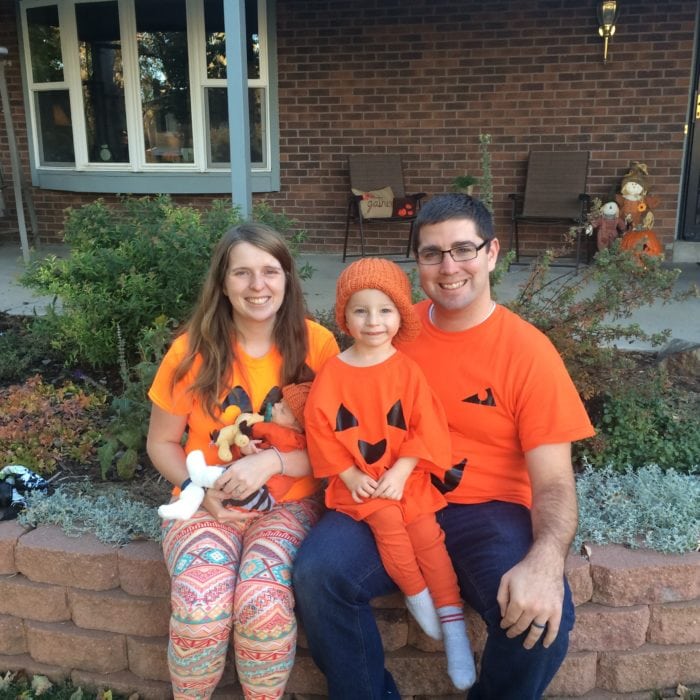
371	451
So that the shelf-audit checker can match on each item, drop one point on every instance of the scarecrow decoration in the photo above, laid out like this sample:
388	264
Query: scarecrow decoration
636	210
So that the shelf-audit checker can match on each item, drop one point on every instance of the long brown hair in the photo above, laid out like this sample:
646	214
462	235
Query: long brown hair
212	330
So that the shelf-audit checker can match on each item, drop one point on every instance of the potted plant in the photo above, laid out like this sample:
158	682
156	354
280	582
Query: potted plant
464	183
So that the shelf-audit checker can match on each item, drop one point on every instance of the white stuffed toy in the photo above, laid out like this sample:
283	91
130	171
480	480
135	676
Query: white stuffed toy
202	476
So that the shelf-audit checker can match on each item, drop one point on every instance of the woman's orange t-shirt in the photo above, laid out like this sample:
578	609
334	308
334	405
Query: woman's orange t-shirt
255	383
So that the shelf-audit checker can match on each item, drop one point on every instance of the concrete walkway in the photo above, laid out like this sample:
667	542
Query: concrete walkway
682	318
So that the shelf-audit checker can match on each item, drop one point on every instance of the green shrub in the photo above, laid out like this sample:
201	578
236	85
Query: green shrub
638	425
646	507
123	447
128	265
43	426
585	313
486	180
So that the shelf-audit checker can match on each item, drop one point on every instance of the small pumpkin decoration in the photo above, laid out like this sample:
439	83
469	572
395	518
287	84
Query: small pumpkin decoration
642	243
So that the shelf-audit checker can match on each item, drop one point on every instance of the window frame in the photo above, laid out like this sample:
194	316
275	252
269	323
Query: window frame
137	176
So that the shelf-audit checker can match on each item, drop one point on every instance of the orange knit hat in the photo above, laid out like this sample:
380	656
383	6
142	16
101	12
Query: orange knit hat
387	277
295	395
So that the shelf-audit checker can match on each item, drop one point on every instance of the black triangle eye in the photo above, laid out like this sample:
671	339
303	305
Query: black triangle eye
395	416
238	397
488	401
344	419
272	397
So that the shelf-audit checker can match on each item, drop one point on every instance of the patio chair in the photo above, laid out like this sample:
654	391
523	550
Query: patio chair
378	194
555	192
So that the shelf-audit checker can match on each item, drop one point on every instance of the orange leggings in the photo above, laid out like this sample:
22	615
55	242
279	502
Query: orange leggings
414	554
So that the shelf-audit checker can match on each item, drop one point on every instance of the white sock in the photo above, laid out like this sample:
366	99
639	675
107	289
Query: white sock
422	608
460	659
186	505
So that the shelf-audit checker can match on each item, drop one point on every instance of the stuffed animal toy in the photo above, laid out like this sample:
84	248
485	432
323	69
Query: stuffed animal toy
201	476
634	202
609	225
236	434
281	428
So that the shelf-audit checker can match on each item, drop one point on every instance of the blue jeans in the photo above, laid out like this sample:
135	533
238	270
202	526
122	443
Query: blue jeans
338	571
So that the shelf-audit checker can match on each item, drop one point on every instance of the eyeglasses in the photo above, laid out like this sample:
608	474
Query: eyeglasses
460	253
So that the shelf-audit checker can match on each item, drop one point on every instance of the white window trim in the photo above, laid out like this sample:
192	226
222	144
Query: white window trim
129	177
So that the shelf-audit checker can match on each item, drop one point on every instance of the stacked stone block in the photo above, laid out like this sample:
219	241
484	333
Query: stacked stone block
72	607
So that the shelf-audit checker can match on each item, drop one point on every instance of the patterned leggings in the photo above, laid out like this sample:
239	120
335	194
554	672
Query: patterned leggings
227	576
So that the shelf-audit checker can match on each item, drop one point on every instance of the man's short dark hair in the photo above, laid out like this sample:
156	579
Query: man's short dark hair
444	207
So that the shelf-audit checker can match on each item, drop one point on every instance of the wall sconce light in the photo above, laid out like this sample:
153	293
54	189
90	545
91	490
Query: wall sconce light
608	12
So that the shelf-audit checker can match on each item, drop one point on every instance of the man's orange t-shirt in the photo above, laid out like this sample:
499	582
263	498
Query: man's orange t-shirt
251	388
505	391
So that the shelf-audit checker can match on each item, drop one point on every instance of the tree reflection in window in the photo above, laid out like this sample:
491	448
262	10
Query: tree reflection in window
96	82
102	79
164	80
45	44
219	154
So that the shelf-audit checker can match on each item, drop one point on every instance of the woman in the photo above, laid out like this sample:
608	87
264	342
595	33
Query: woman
231	568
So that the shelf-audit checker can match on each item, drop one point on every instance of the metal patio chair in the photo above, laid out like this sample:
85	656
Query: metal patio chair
370	173
555	192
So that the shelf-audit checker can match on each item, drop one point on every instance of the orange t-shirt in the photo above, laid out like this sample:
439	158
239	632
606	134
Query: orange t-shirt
505	390
369	417
254	384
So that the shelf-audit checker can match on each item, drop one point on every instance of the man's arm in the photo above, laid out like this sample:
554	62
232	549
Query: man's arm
533	590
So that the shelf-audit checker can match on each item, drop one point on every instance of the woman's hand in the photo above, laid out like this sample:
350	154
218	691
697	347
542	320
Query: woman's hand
246	475
213	505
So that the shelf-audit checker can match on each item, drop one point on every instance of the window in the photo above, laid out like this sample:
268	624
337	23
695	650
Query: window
136	87
215	86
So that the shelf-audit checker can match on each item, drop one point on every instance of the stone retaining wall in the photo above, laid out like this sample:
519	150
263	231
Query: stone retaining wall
73	607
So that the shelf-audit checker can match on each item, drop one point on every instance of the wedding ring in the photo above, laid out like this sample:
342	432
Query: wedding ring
537	625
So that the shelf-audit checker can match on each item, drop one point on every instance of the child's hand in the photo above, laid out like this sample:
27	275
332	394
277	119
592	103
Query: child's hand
360	485
251	448
391	483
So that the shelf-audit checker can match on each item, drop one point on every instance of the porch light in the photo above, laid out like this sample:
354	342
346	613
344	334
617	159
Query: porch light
608	12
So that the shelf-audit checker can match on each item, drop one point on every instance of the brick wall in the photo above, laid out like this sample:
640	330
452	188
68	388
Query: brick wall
75	608
425	78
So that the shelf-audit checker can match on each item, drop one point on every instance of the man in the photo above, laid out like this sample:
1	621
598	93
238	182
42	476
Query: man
513	413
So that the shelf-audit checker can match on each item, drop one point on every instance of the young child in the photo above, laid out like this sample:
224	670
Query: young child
376	431
283	431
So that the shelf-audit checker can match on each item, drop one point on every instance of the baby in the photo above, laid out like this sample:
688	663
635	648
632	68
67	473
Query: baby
282	431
